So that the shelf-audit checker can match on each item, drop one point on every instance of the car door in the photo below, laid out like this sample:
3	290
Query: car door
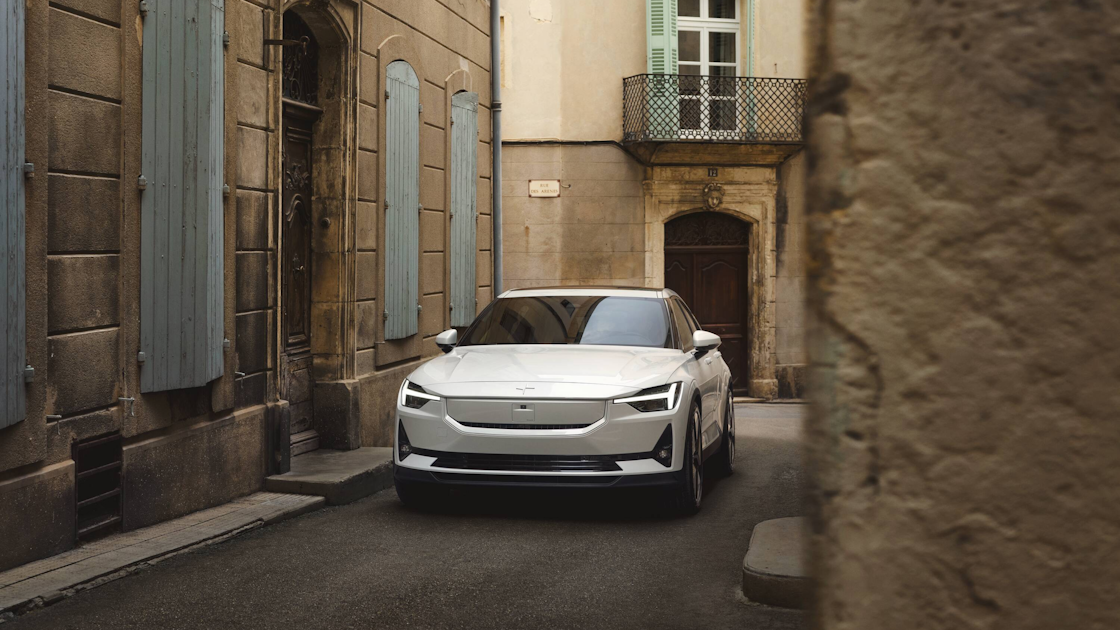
707	375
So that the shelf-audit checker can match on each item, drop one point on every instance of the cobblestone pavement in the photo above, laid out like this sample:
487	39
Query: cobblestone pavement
491	560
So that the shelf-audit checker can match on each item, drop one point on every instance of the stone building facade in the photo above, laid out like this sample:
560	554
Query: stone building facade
647	151
302	249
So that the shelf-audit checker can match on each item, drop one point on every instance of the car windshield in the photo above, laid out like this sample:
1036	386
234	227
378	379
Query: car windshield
573	319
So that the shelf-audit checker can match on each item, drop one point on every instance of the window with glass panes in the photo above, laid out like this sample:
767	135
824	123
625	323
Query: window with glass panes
708	41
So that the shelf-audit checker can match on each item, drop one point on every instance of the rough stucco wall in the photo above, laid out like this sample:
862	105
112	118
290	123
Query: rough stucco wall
964	207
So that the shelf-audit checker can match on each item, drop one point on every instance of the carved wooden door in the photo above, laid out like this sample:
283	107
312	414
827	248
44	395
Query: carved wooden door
299	116
706	262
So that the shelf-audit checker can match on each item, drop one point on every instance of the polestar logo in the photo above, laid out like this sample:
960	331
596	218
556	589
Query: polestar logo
524	390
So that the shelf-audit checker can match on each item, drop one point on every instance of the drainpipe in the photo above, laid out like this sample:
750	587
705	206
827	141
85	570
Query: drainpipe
496	141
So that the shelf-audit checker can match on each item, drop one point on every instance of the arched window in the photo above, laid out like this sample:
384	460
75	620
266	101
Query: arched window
402	201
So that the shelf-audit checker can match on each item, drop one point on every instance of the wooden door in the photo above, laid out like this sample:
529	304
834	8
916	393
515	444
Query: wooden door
299	116
706	262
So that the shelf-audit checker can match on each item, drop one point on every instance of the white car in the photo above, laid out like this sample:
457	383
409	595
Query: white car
575	386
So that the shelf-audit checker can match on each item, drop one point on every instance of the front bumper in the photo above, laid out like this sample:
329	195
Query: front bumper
622	440
656	480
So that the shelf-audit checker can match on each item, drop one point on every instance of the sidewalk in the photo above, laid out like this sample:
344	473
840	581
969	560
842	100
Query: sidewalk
47	581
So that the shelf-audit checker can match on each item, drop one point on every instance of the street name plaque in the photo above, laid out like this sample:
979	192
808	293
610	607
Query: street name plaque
544	188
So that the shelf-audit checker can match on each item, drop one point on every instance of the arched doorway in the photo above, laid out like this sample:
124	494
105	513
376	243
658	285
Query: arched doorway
707	257
300	113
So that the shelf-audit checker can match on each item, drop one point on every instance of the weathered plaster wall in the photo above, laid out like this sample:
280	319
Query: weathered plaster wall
965	239
779	38
567	59
592	234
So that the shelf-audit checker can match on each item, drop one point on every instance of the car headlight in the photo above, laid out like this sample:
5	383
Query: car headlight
413	396
660	398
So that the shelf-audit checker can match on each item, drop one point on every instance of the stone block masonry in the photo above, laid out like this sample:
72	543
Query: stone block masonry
964	242
190	449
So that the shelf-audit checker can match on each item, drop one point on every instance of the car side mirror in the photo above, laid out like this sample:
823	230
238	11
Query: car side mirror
705	341
447	339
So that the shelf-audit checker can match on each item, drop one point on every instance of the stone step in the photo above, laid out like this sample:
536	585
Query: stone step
775	567
338	476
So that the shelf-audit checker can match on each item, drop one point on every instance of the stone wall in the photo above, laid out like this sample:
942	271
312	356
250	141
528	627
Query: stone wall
789	284
189	449
964	212
592	234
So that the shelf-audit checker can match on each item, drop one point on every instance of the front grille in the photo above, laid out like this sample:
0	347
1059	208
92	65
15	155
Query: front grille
499	425
535	480
529	463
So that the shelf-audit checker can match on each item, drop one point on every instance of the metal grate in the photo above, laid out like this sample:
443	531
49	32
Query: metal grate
668	107
98	494
529	463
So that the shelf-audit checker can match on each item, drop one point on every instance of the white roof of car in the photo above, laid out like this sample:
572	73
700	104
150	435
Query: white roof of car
607	291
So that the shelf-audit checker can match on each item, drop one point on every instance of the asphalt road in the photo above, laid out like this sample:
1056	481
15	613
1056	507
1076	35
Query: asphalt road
492	560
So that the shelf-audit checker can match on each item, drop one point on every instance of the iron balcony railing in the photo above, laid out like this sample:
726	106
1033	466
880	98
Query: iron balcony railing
684	107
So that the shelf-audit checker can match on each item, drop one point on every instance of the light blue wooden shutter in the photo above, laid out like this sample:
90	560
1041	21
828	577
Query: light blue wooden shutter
402	200
662	56
13	347
464	198
181	224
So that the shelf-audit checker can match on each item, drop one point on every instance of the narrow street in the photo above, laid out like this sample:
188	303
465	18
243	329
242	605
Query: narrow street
491	560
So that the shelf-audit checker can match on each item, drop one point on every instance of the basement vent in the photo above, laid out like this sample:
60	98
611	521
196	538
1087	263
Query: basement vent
97	462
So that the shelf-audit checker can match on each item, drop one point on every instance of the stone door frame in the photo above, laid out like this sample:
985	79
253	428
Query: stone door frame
335	163
751	196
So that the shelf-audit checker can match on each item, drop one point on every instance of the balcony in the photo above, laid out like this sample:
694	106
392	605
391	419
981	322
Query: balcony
677	119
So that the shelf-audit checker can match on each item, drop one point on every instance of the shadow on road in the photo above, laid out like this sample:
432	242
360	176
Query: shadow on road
607	505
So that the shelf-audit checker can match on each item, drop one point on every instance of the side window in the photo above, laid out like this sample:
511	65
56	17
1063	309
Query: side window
681	324
692	323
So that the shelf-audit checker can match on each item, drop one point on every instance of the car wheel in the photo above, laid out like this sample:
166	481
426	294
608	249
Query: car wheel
725	458
690	492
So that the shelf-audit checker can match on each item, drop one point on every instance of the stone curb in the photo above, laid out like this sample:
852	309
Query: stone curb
774	567
340	477
50	580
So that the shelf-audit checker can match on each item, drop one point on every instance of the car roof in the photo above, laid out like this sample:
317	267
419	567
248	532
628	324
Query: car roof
604	290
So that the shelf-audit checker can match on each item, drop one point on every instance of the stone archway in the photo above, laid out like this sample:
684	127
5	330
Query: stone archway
318	100
748	198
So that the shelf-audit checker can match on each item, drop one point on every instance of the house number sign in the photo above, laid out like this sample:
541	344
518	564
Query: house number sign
544	188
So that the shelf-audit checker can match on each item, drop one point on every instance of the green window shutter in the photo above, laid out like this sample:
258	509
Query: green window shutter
13	346
181	221
663	102
661	15
464	199
402	198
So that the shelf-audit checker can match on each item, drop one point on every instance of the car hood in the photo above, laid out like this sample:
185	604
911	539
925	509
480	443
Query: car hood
547	371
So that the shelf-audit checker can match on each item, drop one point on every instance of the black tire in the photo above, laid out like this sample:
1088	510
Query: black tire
417	496
689	493
724	461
